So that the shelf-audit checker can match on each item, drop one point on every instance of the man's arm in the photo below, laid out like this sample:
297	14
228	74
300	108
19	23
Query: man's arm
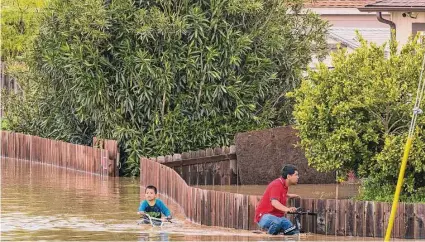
292	195
276	204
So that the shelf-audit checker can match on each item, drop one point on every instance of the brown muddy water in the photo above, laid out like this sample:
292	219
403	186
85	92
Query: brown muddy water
44	202
325	191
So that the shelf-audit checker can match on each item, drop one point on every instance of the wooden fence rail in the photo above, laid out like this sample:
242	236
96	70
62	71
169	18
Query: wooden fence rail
216	166
79	157
334	217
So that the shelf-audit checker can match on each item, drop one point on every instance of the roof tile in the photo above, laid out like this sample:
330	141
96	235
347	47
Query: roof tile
337	3
398	3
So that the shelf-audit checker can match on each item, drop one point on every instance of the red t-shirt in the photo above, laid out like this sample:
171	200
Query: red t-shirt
278	190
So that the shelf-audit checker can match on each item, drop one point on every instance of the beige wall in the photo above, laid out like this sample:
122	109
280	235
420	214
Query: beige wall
357	21
404	25
350	17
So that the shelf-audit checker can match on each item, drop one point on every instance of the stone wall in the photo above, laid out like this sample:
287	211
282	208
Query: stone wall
261	155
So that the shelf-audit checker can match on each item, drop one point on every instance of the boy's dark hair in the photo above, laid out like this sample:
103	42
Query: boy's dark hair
288	170
151	187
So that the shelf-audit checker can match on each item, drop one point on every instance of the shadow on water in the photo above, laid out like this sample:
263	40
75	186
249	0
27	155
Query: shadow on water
44	202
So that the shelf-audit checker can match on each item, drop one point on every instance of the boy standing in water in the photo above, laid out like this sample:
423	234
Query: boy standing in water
152	206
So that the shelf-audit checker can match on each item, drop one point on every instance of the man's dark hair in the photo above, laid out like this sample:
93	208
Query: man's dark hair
288	170
151	187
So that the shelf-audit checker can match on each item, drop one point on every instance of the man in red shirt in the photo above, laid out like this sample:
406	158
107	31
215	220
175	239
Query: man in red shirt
271	210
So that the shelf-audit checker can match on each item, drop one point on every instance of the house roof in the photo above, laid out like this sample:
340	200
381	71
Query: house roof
395	6
337	3
348	37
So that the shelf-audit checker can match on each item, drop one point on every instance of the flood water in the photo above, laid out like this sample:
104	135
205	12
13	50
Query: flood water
44	202
323	191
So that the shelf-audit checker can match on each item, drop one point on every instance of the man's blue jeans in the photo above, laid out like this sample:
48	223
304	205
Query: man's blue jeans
276	225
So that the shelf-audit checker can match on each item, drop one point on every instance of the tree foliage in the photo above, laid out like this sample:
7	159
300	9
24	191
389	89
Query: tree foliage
19	26
164	76
357	116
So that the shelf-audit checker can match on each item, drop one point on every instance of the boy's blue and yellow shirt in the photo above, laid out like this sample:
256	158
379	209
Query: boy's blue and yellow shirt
156	210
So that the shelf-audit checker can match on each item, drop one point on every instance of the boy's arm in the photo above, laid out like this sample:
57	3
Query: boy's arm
142	207
164	209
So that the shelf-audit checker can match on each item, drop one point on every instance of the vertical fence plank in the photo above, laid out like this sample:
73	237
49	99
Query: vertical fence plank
237	202
11	148
4	143
321	216
58	153
199	205
226	172
199	175
312	220
208	213
351	218
386	208
216	173
192	175
379	220
42	149
360	221
189	202
341	206
304	223
68	156
186	174
419	221
232	210
251	211
227	209
409	221
330	216
399	221
3	137
369	219
193	204
245	213
213	208
18	145
209	173
217	208
203	205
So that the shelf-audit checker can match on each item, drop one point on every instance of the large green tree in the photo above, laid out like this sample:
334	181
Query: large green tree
357	115
164	76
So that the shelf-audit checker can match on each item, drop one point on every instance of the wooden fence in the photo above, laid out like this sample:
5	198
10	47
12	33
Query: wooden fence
334	217
216	166
71	156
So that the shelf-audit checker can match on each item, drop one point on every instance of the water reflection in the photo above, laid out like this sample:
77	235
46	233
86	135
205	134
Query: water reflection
44	202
